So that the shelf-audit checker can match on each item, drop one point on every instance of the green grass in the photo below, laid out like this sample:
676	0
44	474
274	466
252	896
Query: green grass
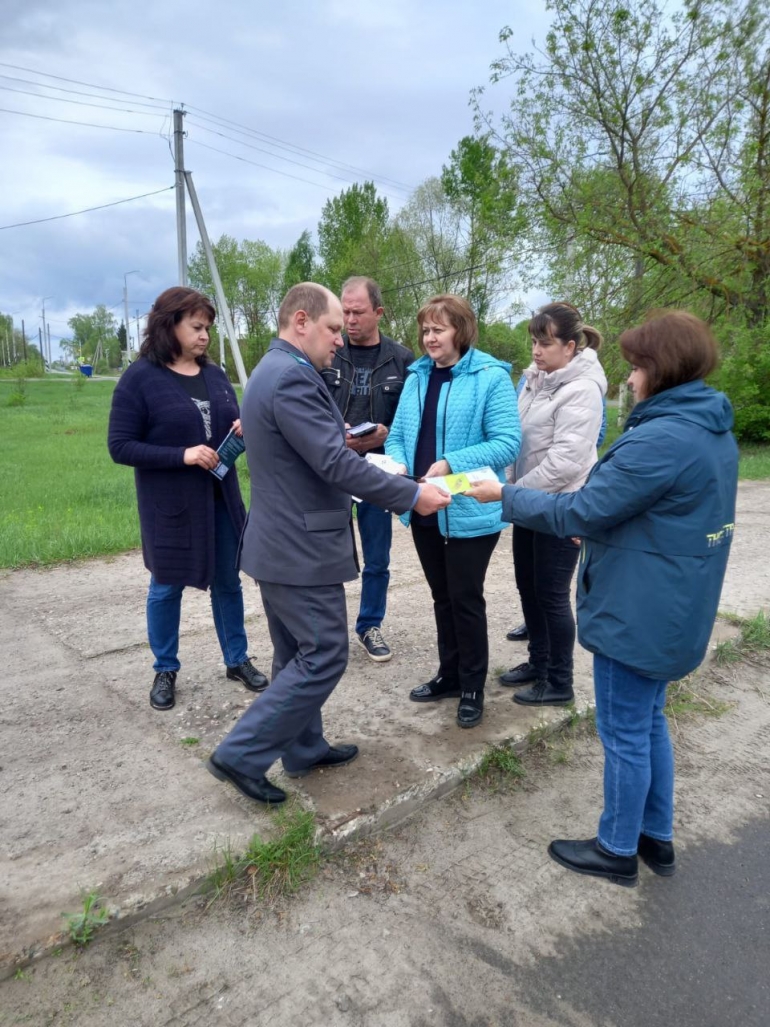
83	924
273	868
753	641
66	498
502	759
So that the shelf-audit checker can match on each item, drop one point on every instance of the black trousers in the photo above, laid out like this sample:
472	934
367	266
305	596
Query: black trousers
455	569
544	565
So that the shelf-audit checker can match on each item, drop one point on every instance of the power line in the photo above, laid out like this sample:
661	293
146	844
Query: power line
87	210
269	153
82	103
89	85
265	167
76	92
86	124
282	144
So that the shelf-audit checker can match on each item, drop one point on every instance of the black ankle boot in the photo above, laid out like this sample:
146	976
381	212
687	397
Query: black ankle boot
470	709
658	855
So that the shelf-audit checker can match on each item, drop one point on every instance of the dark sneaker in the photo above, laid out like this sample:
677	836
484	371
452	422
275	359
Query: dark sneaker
376	647
519	634
337	756
471	709
162	692
520	675
435	689
249	676
588	857
658	855
543	693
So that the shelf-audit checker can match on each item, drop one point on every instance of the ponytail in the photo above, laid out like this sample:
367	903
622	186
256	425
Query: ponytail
591	338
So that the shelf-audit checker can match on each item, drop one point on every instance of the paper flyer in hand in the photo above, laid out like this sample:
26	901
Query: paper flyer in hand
384	462
456	483
231	448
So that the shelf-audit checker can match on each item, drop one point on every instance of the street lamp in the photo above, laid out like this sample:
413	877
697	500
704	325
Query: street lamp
125	308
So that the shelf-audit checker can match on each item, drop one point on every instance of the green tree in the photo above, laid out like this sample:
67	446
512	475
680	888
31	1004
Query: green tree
94	339
643	133
352	234
300	263
481	186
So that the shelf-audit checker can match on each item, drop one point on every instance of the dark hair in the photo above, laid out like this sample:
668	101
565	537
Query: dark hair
307	296
563	322
372	288
456	311
672	348
160	344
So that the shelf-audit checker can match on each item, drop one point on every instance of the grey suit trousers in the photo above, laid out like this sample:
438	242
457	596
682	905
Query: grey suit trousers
309	631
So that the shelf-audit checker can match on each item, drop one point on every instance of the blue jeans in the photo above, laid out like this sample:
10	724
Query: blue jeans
375	527
164	604
638	757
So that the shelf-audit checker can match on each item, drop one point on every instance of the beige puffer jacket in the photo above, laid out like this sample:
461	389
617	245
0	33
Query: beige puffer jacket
561	415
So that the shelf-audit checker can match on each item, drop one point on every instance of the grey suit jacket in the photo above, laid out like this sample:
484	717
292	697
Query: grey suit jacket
303	476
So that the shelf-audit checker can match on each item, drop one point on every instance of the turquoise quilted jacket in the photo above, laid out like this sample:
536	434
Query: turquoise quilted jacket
477	425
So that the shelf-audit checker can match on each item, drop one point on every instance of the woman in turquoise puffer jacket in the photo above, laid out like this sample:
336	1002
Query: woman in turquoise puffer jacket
457	412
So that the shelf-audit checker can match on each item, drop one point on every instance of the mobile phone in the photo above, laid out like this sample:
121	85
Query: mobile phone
365	428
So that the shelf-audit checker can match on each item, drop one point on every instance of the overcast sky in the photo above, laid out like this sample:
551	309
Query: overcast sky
381	86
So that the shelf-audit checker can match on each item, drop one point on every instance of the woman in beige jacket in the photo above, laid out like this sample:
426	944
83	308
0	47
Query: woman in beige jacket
561	414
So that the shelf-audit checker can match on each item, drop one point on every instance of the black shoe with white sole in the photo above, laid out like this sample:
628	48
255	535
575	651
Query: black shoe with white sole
376	647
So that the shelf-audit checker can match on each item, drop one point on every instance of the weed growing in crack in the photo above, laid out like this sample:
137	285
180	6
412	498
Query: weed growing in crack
752	643
683	701
501	759
271	868
82	925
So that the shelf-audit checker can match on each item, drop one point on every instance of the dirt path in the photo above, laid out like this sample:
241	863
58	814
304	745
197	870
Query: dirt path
443	921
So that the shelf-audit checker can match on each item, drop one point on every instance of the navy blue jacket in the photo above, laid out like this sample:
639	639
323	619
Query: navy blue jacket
152	422
656	517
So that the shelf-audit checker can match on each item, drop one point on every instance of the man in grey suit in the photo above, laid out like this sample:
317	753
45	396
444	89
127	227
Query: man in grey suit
298	543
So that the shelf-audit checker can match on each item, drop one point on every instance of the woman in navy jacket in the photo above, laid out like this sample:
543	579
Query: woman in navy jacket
656	518
170	411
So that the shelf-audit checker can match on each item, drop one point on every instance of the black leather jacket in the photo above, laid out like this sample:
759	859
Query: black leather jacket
387	379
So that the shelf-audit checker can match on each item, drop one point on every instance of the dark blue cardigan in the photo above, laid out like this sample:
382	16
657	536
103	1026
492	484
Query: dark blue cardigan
152	422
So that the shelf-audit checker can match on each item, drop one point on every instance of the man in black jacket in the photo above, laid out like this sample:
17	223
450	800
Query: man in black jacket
365	382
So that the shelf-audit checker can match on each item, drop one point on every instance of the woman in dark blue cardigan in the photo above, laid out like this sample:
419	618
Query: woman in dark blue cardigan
170	411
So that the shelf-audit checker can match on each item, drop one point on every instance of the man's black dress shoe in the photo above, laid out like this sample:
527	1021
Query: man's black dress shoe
249	676
588	857
471	709
520	675
658	855
543	693
435	689
162	691
259	789
519	634
337	756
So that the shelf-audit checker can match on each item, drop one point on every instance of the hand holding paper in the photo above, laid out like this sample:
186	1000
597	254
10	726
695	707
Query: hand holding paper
485	491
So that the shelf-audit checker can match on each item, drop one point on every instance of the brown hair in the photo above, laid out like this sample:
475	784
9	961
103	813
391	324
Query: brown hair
672	348
373	290
453	310
307	296
563	322
160	344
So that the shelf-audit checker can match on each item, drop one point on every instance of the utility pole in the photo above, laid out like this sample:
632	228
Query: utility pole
138	334
179	177
40	344
50	354
125	313
220	292
24	340
46	334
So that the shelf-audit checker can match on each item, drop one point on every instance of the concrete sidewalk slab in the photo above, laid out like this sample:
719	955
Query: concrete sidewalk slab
102	792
